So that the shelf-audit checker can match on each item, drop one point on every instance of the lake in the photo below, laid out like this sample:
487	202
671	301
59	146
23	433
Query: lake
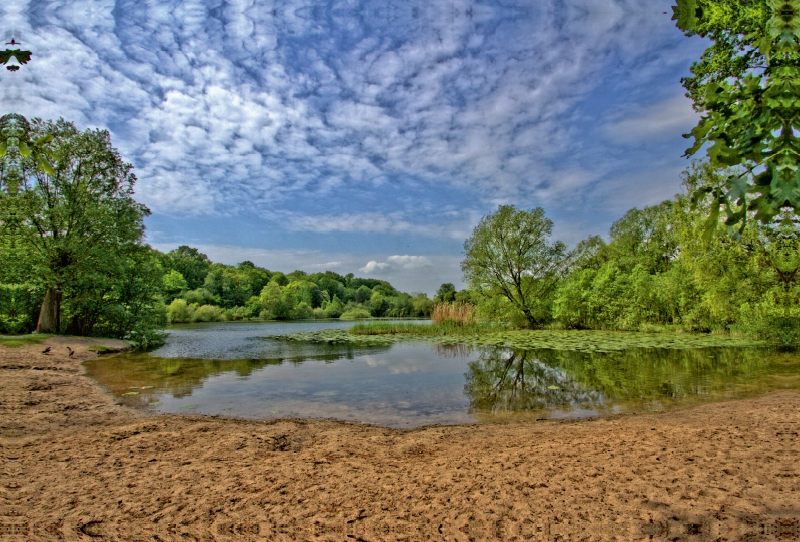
236	370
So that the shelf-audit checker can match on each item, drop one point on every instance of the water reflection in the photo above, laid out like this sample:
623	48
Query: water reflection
555	383
408	385
140	378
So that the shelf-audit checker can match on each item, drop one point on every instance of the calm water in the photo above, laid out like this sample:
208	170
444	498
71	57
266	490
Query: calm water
236	370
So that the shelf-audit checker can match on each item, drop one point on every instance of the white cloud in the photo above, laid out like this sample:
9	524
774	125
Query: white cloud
373	222
374	267
326	265
658	121
230	106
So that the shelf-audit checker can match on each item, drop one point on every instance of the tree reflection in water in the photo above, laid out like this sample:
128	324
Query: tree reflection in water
517	380
536	380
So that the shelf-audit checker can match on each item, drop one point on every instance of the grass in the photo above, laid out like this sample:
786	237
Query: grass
15	341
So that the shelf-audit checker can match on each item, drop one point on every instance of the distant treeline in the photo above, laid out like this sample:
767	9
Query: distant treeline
197	290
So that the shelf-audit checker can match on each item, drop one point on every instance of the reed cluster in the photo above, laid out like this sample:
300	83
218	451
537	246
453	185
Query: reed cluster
454	312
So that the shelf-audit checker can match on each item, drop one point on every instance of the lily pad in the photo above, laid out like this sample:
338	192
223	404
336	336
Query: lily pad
154	403
131	393
187	407
276	411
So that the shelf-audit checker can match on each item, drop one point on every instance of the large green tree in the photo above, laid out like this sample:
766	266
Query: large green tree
510	254
747	87
83	232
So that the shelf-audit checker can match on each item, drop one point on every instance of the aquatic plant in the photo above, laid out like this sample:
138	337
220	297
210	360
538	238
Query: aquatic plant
454	312
579	341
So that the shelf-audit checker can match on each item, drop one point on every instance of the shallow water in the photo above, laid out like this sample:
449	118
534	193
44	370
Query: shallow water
236	370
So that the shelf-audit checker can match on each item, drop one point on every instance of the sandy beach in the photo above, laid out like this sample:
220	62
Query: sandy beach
77	466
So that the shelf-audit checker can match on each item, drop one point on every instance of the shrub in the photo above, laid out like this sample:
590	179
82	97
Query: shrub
355	314
302	311
179	312
207	313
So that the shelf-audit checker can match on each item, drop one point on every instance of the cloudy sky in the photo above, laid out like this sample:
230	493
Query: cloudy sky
365	136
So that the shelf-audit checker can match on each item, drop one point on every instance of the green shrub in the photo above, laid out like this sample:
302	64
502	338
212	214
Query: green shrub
355	314
179	312
207	313
302	311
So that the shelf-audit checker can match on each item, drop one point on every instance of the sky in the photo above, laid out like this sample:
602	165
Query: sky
365	137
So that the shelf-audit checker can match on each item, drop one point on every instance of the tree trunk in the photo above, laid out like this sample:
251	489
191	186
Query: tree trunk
50	314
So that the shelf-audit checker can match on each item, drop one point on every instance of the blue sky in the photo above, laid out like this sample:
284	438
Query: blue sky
365	136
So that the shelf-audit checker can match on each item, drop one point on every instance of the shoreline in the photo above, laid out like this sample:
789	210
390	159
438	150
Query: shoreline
75	466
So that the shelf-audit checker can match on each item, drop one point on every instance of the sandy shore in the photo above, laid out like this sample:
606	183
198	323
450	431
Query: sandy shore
76	466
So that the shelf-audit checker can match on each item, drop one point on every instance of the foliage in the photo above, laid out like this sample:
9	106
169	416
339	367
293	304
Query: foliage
72	234
668	276
246	291
446	293
355	314
510	255
192	265
747	85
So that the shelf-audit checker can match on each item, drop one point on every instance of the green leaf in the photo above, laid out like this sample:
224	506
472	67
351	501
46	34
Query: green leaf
710	226
44	140
43	165
24	150
685	13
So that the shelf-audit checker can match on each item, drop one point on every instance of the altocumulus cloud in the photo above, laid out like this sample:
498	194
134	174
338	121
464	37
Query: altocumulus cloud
231	105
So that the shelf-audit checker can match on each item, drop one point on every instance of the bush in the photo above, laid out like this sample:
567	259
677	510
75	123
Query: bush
207	313
145	339
179	312
302	311
200	296
355	314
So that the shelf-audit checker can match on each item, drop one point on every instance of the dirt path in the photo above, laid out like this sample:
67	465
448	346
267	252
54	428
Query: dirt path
75	466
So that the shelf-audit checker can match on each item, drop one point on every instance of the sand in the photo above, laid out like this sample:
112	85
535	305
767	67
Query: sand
76	466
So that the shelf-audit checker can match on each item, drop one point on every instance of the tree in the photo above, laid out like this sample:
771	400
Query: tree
82	232
81	219
747	85
644	237
190	263
446	292
510	253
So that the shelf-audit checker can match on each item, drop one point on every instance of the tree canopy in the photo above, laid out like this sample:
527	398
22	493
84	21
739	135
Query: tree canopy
747	86
77	230
510	254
